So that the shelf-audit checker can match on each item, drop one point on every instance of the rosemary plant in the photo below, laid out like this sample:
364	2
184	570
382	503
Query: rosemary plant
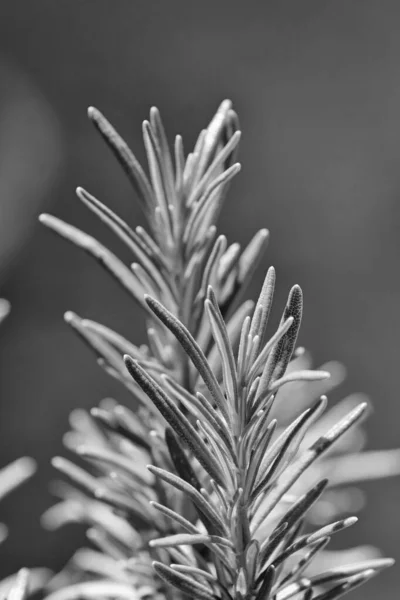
212	488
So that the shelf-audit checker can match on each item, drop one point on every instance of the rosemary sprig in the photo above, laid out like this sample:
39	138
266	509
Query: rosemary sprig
216	493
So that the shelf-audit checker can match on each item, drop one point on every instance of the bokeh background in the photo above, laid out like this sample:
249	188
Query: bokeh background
317	88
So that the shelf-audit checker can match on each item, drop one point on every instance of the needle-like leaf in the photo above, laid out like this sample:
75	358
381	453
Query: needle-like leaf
176	419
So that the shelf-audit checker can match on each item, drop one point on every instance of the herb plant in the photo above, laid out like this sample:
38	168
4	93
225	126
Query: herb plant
217	486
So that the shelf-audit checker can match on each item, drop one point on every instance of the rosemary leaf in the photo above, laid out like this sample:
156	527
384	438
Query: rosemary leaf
192	349
176	419
185	584
106	258
125	157
200	502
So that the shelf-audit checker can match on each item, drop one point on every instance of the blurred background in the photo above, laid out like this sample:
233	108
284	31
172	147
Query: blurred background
317	88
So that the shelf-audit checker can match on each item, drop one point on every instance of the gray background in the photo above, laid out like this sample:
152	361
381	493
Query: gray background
317	88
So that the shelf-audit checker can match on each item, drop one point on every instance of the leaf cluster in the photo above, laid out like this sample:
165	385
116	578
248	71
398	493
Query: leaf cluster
197	493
